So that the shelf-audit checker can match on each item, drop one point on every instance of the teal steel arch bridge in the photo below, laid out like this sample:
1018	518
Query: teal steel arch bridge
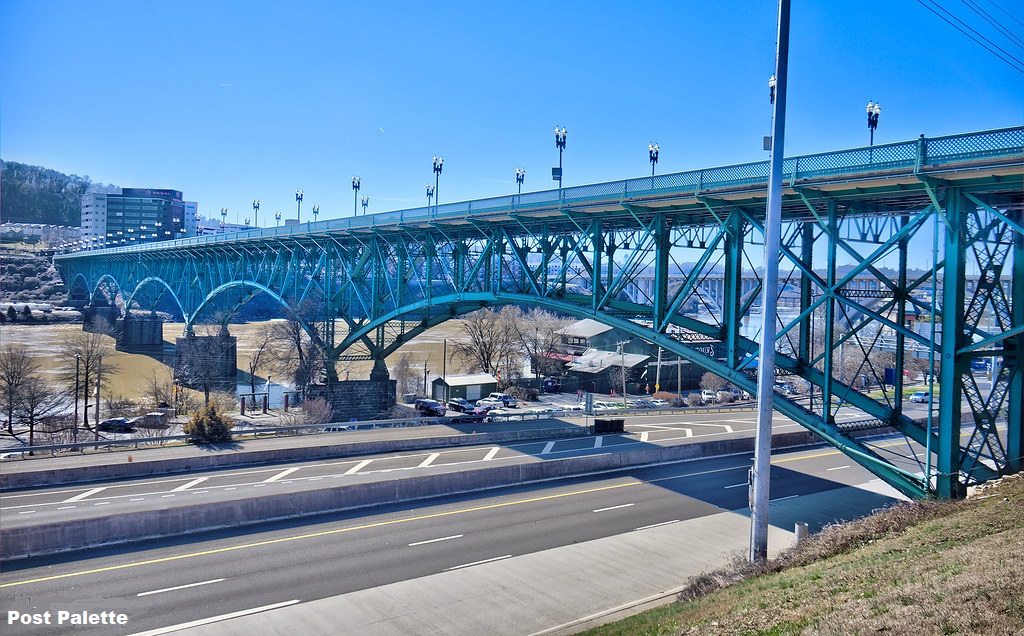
917	220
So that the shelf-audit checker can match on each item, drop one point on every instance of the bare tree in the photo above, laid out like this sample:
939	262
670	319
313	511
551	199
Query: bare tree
84	354
16	366
712	382
260	355
202	362
491	342
296	355
38	401
406	378
537	332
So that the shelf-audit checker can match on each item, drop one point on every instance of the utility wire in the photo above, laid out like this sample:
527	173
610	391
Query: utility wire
988	18
1016	64
1012	17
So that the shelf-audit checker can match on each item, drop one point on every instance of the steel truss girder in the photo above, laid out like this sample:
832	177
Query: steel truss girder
680	272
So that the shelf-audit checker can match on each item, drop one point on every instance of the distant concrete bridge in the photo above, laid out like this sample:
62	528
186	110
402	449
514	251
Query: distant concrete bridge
947	206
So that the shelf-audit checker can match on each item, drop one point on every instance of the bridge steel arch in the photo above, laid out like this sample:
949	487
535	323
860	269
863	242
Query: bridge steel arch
901	256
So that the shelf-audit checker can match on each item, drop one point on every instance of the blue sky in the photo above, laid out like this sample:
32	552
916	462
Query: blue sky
232	101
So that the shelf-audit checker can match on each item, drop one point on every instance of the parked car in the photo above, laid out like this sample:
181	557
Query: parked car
430	408
490	403
642	403
709	396
659	403
506	399
116	425
921	397
462	405
474	414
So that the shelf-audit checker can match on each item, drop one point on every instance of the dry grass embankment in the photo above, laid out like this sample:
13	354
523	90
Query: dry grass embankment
917	568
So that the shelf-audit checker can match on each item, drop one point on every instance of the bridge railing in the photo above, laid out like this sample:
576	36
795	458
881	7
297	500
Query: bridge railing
909	155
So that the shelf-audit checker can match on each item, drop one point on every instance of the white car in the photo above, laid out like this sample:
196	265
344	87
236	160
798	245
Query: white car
921	397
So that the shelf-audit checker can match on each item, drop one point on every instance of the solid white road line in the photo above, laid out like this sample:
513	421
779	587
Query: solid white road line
454	536
358	467
547	448
738	485
598	441
656	525
213	619
469	565
179	587
491	453
283	473
613	508
429	460
783	498
194	482
87	493
838	467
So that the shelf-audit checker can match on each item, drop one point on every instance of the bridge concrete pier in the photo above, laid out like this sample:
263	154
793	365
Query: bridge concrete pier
357	399
206	362
139	333
99	318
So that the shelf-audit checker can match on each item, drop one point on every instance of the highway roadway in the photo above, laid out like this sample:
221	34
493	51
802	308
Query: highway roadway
173	582
65	503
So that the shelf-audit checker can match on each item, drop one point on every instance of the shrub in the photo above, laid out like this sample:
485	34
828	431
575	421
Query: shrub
524	393
694	399
208	426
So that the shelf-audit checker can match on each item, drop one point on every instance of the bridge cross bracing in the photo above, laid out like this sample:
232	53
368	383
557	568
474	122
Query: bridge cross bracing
904	256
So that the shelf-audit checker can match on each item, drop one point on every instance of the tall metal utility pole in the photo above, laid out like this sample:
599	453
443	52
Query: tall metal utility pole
761	472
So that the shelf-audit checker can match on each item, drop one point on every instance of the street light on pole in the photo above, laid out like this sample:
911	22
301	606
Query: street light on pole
520	177
356	182
560	136
430	194
366	202
652	151
874	110
277	217
223	219
316	212
256	212
298	205
438	166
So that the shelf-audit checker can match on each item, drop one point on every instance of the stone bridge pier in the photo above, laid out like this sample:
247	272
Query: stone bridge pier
359	399
206	362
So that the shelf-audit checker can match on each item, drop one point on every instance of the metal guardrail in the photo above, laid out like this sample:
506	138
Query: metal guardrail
913	156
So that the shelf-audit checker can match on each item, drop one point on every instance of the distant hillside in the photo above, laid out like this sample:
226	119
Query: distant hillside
24	277
32	194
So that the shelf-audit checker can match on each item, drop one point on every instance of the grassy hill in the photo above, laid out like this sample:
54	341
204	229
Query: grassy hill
917	568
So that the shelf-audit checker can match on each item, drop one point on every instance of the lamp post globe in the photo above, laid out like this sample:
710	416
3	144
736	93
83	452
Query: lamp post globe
366	202
520	177
256	212
430	194
298	205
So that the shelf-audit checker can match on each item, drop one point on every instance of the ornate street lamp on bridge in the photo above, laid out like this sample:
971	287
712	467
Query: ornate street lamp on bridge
277	217
438	166
560	136
256	212
298	205
652	151
356	182
520	177
316	212
430	194
366	202
223	219
874	110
